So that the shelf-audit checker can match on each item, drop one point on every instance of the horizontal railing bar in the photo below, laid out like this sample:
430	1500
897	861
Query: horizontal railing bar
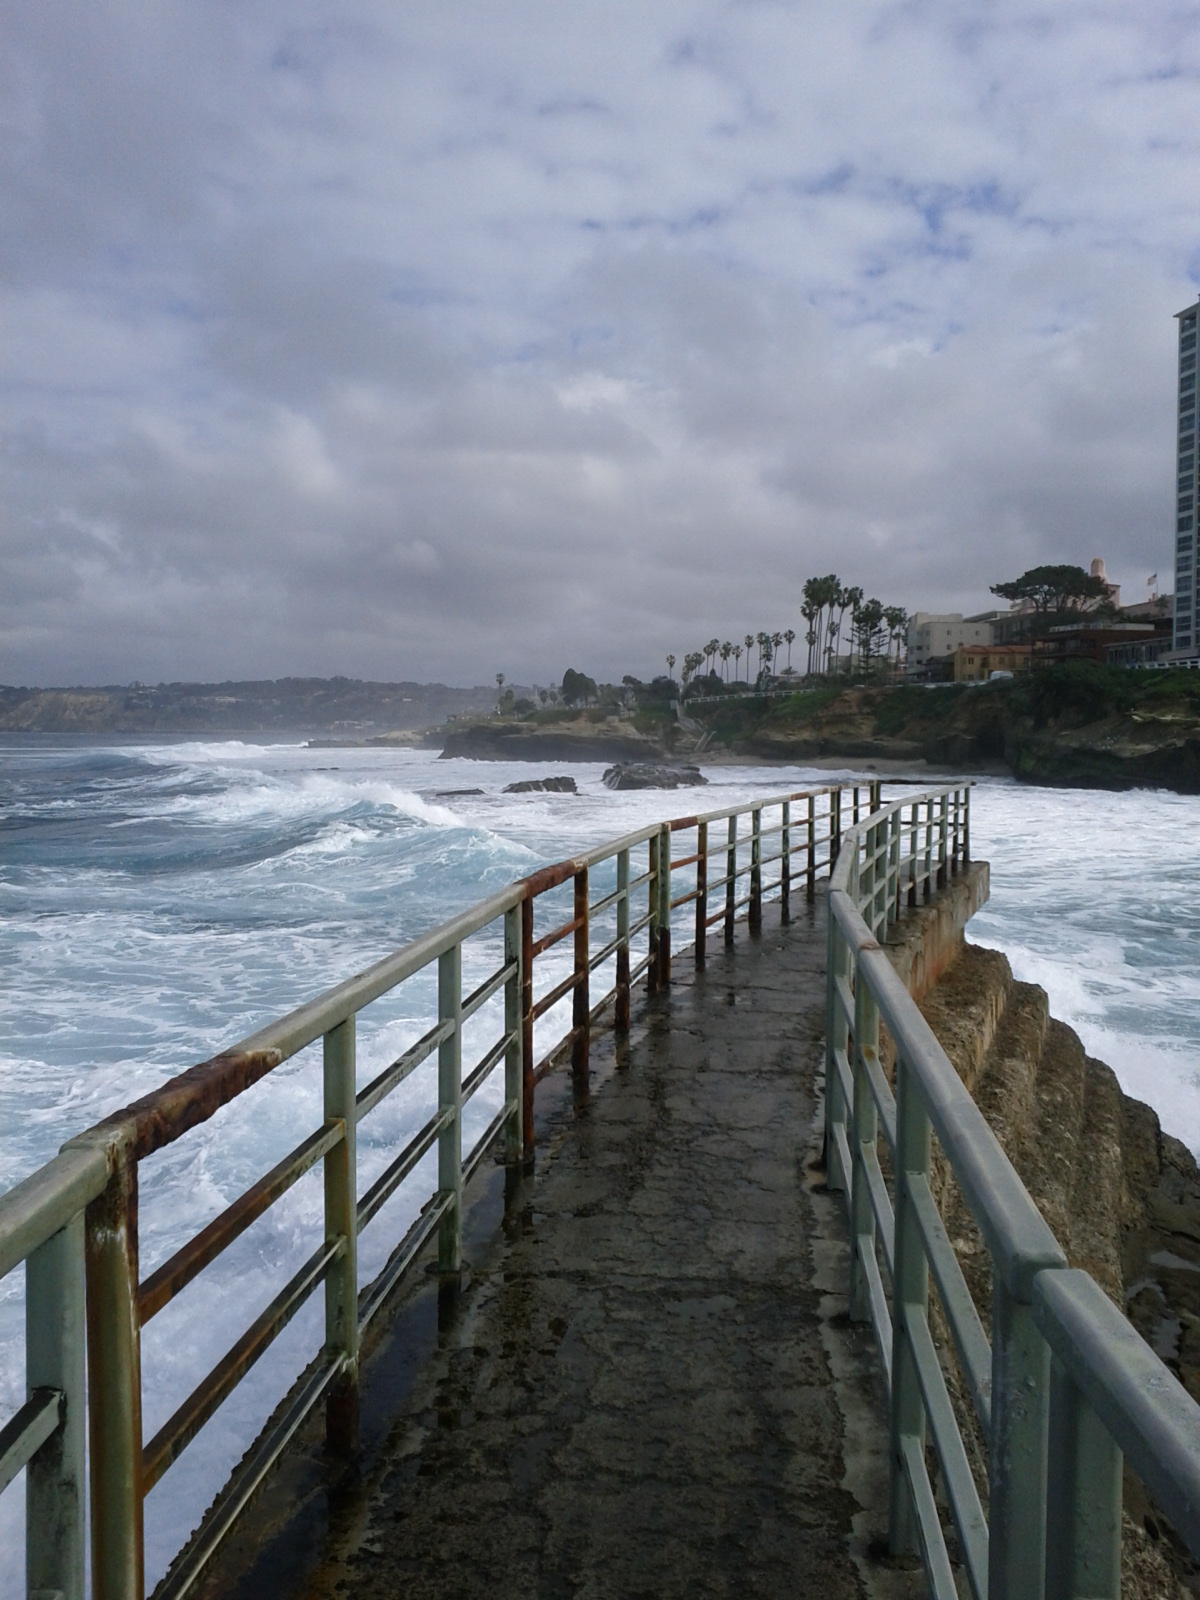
176	1434
642	922
309	1022
40	1205
965	1507
601	956
685	861
480	1073
489	1136
556	994
557	1054
549	940
683	899
392	1077
24	1434
929	1528
881	1204
646	877
188	1566
402	1257
393	1175
177	1272
881	1318
602	1004
717	916
490	986
598	906
881	1093
636	971
844	1163
845	1074
844	996
966	1328
1147	1411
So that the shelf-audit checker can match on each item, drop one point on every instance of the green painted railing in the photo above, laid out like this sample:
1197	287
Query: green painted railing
1065	1384
74	1222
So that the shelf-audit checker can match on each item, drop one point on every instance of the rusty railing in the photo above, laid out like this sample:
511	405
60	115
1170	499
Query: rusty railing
75	1222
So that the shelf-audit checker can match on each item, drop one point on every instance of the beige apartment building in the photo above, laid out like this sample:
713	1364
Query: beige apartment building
933	634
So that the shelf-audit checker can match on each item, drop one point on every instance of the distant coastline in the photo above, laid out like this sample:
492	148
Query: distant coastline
1076	727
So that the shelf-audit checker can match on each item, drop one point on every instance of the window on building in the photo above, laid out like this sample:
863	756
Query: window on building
1186	463
1188	342
1184	503
1184	544
1188	363
1183	524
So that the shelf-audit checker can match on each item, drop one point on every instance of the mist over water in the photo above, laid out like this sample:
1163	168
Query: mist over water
161	902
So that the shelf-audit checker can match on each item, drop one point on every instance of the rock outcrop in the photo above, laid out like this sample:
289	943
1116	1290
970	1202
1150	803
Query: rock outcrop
557	785
651	775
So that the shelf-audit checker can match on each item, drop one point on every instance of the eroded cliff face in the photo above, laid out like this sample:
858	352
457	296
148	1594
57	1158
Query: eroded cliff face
1122	1196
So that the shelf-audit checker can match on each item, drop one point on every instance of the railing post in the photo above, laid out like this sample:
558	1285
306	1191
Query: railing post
893	869
527	1085
785	859
835	828
856	805
450	1099
701	892
877	794
913	852
114	1361
513	1076
581	1005
943	824
929	849
910	1295
755	907
837	1037
654	970
955	832
810	888
622	1002
1017	1473
664	905
341	1221
730	878
966	839
1083	1554
55	1494
863	1131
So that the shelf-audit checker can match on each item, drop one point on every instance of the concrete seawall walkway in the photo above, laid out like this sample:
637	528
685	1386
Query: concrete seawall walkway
647	1385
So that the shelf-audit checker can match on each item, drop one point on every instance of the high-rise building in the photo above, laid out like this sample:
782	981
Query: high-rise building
1186	596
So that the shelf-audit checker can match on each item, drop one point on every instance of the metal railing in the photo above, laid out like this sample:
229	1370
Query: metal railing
1065	1384
75	1221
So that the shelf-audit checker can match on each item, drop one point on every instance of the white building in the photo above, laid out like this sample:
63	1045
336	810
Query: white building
1186	639
932	634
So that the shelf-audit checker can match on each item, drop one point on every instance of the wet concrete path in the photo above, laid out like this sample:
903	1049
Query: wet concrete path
633	1393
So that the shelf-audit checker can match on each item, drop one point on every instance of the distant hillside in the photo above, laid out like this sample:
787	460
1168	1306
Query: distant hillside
338	707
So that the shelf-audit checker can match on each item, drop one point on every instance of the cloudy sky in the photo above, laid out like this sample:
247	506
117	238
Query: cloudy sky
440	340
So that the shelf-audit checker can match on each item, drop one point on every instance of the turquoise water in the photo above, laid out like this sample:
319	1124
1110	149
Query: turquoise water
160	902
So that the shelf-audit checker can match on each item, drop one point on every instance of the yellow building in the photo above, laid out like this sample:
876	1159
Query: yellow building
973	664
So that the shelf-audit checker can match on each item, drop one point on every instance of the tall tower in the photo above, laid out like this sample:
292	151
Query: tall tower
1186	637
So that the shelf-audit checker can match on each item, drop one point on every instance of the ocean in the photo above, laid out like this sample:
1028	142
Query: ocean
162	901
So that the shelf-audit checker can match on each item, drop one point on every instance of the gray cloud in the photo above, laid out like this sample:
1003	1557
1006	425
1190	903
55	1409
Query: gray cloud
511	337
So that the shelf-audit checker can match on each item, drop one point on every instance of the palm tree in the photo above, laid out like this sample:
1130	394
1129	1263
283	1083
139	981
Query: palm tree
749	642
849	600
726	652
790	635
499	689
896	618
710	652
670	666
737	663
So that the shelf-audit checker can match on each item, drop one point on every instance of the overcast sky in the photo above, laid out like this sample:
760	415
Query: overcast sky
431	341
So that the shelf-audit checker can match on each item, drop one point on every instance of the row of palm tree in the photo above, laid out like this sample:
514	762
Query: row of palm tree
768	645
874	631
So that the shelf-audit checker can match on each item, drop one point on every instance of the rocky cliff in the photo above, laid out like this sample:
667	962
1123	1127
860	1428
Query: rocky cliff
1122	1196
